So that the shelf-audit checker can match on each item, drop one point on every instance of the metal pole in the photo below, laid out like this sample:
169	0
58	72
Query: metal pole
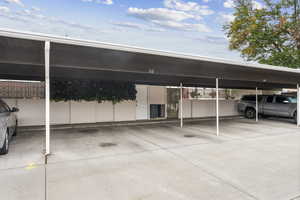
181	106
256	101
47	97
298	105
217	106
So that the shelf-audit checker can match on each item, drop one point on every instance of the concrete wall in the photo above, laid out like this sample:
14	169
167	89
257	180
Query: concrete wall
32	111
207	108
157	95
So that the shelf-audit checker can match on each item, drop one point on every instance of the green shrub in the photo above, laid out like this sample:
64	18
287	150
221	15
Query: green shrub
88	90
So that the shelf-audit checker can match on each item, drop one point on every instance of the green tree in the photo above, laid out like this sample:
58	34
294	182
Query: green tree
268	35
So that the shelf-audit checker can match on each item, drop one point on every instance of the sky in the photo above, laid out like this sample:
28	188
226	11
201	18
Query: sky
183	26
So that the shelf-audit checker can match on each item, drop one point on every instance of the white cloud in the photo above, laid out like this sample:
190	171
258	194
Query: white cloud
162	14
206	1
177	15
257	5
226	18
229	4
18	2
106	2
188	7
128	25
183	26
218	40
4	9
36	9
138	26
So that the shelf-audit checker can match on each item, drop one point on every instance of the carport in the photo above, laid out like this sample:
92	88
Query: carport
27	56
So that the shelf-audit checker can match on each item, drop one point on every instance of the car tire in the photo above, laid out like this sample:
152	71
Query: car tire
5	147
250	113
16	129
295	117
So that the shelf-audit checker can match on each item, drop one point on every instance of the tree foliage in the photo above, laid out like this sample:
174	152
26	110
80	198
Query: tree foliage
89	90
269	35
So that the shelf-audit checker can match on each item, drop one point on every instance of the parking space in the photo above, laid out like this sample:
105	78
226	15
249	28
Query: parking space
248	160
25	149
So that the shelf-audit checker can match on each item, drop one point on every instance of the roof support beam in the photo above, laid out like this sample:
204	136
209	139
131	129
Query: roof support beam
181	106
47	97
217	107
298	105
256	104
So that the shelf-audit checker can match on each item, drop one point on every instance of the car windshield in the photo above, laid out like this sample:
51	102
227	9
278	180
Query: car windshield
292	99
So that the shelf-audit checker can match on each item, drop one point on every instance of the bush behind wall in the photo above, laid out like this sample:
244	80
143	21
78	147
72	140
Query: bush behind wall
89	90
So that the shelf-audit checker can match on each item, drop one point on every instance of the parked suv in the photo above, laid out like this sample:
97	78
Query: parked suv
269	105
8	126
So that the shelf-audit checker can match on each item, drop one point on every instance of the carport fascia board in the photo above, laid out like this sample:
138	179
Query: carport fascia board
86	43
90	43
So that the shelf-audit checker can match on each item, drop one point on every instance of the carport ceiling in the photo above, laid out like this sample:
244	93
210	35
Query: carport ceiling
22	57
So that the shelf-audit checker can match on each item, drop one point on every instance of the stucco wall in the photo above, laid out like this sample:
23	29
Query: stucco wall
207	108
32	111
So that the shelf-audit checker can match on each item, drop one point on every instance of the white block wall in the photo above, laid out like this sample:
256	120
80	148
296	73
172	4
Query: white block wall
125	111
32	112
104	112
207	108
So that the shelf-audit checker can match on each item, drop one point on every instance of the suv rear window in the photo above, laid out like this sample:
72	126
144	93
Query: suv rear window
280	99
251	98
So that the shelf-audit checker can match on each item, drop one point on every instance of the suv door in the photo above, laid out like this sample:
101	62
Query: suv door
282	106
268	106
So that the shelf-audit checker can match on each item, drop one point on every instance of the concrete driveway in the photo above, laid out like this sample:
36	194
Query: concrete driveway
247	161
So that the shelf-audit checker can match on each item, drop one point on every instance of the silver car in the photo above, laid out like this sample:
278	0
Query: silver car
8	126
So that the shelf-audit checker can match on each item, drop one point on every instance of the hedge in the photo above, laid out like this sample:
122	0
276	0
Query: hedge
88	90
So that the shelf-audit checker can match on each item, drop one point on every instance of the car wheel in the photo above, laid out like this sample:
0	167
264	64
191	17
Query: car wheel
16	129
5	147
295	117
250	113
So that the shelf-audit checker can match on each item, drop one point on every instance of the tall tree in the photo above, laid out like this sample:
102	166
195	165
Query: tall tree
269	34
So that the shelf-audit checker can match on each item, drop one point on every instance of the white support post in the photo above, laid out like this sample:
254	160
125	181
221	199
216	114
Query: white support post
298	105
256	102
217	106
47	97
181	106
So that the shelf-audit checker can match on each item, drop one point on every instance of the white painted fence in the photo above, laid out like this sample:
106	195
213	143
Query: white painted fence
32	112
207	108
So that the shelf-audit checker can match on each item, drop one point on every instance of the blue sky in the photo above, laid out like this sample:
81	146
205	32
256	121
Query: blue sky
191	27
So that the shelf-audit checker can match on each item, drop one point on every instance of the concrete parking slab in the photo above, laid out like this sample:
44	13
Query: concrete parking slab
26	183
156	175
90	143
248	160
266	167
25	149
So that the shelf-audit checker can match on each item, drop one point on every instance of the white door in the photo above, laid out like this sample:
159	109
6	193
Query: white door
142	102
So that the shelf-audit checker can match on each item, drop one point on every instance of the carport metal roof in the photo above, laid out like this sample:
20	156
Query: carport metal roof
22	57
40	57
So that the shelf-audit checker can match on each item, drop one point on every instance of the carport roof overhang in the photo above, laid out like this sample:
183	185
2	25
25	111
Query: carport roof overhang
22	57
